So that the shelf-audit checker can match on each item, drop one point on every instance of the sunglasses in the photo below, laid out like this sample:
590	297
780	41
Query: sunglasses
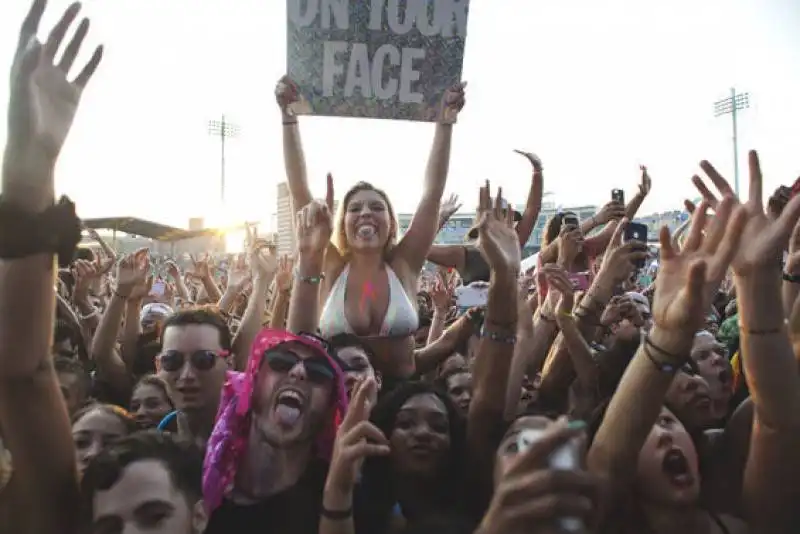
202	360
318	369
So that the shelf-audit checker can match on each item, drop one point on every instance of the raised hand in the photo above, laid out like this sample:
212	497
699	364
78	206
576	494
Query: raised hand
497	240
441	294
314	226
85	274
647	183
763	237
43	101
558	282
612	211
532	158
570	243
356	439
533	496
173	270
449	207
201	268
452	103
688	279
620	258
238	273
132	274
286	94
285	275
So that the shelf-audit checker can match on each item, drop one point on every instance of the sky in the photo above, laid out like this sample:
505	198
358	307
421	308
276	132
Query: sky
593	87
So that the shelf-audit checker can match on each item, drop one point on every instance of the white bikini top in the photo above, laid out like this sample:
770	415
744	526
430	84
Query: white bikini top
400	320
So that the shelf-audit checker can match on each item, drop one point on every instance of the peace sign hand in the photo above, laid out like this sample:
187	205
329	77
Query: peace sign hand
43	101
356	439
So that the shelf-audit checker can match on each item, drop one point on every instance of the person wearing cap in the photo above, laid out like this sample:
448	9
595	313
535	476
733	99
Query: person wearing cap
466	258
267	458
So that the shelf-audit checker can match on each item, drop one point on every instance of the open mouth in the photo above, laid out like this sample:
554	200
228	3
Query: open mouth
725	377
366	231
676	466
289	406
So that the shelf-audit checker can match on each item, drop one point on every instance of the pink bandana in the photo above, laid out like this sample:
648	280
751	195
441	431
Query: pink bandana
228	441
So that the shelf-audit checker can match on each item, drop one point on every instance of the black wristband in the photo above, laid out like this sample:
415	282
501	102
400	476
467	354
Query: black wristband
793	278
336	515
56	230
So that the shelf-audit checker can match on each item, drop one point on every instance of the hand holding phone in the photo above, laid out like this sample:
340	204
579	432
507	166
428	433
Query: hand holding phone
618	195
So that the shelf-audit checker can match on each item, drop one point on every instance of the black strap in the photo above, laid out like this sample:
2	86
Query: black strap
56	230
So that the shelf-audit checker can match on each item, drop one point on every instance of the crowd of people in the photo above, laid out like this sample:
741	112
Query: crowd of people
342	391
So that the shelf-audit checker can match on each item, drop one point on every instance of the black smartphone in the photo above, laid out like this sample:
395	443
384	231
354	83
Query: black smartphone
618	195
635	232
570	219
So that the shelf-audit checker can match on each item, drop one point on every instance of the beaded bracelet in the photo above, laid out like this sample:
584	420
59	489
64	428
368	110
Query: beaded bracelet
793	278
309	279
509	339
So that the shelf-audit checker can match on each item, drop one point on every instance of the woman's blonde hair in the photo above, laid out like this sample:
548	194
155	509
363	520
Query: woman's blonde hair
339	237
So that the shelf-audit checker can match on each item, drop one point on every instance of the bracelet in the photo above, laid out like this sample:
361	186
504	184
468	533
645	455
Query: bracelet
793	278
336	515
568	315
664	367
763	332
289	123
650	343
508	339
123	297
547	319
309	279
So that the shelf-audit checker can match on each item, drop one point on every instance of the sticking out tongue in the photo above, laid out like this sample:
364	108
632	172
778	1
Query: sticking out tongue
287	415
366	232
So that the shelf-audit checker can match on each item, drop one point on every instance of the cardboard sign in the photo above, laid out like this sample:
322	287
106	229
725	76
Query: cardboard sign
387	59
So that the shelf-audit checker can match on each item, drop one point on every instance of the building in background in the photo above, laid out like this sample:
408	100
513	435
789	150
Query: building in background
654	222
455	232
284	220
284	216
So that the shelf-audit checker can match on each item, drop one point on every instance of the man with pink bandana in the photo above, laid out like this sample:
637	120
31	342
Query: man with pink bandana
267	458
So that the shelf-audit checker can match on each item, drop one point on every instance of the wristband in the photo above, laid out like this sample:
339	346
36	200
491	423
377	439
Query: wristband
508	339
309	279
336	515
793	278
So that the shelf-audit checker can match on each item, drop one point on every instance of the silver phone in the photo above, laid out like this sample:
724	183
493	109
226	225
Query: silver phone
567	457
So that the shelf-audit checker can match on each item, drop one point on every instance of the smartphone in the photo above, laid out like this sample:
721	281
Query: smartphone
565	458
618	195
580	281
635	232
470	296
158	288
570	219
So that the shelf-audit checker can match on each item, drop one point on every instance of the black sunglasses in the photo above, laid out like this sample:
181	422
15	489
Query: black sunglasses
202	360
318	369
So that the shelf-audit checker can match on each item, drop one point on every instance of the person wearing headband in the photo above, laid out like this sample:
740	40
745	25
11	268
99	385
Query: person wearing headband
267	458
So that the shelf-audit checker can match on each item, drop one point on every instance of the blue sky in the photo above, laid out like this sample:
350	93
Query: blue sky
594	87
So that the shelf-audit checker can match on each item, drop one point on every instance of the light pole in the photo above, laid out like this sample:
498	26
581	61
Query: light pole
730	106
224	130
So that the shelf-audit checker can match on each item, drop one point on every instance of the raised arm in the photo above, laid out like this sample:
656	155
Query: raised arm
687	281
423	228
534	203
294	160
44	489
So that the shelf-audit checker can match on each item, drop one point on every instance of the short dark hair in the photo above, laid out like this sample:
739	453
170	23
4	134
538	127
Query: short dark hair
202	315
74	367
343	340
182	458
